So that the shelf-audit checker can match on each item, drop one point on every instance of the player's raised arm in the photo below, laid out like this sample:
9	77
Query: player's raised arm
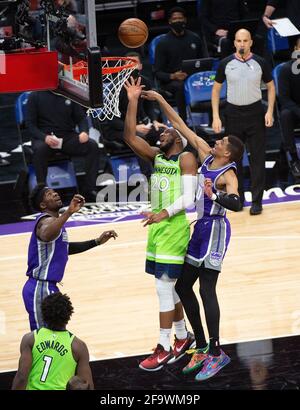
197	142
137	144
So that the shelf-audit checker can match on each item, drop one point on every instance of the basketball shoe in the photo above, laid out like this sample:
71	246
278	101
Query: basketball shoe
157	359
181	346
212	365
197	359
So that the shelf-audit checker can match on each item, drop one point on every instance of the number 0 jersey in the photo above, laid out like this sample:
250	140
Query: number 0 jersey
167	240
165	182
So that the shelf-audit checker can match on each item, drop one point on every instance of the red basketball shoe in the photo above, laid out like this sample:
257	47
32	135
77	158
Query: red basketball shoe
157	360
181	346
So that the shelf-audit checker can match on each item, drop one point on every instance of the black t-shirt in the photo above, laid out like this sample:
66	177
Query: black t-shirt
217	14
48	112
172	50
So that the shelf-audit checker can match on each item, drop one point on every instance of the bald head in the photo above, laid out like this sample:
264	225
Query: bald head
243	42
243	33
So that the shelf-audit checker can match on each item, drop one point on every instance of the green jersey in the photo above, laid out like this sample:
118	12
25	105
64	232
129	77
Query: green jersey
52	360
167	240
165	182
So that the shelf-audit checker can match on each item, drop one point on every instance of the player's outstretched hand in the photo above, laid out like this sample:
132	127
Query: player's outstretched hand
77	202
208	187
106	236
152	218
133	88
150	95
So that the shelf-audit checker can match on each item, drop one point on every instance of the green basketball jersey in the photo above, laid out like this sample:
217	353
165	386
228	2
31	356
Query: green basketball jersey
165	182
52	360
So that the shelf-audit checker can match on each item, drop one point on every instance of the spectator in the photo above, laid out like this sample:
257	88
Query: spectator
148	127
216	17
244	113
51	356
289	98
177	45
52	121
292	8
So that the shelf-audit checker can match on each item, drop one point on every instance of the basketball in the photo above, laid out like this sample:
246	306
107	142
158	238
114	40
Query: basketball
133	33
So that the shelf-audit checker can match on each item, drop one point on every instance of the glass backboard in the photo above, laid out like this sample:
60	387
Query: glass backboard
70	27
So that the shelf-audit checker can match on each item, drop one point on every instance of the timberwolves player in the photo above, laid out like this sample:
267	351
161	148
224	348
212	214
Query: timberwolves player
171	192
51	356
49	249
209	241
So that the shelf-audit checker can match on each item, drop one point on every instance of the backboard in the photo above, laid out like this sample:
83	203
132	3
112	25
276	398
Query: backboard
71	32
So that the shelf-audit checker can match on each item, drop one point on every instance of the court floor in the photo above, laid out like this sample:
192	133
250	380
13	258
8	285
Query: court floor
116	307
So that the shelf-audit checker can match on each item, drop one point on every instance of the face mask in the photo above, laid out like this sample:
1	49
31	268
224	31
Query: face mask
178	26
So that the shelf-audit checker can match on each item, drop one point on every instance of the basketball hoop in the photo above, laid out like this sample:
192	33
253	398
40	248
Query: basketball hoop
115	71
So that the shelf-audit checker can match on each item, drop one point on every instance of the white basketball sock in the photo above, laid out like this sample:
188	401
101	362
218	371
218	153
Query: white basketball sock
180	329
164	338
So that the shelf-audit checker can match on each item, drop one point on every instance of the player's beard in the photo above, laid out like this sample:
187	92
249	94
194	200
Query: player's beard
165	148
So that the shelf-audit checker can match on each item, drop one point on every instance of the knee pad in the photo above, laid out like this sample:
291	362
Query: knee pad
165	289
176	298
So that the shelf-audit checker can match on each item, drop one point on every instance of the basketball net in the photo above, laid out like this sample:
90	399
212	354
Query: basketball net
115	72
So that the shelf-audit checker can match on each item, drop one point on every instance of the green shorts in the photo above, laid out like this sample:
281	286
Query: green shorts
166	247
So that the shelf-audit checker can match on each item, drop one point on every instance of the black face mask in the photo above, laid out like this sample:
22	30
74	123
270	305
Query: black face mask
178	26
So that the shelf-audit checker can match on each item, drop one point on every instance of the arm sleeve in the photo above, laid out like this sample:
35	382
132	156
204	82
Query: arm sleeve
187	199
32	118
220	76
228	201
78	247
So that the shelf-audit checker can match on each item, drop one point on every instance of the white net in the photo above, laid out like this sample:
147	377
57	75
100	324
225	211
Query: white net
115	71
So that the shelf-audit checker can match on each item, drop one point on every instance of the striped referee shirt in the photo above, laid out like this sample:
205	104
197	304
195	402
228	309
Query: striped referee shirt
243	78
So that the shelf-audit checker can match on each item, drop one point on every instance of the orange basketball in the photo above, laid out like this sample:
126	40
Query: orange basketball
133	33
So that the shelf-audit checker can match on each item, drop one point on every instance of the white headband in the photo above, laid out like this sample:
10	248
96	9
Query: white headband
183	140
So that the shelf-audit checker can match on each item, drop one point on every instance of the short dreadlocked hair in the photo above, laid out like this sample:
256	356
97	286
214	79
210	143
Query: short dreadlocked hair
37	196
57	310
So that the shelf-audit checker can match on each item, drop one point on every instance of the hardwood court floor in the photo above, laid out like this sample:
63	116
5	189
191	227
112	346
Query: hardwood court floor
116	307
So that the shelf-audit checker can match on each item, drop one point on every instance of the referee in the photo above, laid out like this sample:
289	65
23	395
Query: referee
244	112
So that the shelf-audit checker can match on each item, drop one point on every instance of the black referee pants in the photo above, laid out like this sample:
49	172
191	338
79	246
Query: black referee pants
248	124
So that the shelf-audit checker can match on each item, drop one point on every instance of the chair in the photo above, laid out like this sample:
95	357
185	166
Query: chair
278	46
152	47
61	173
198	88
